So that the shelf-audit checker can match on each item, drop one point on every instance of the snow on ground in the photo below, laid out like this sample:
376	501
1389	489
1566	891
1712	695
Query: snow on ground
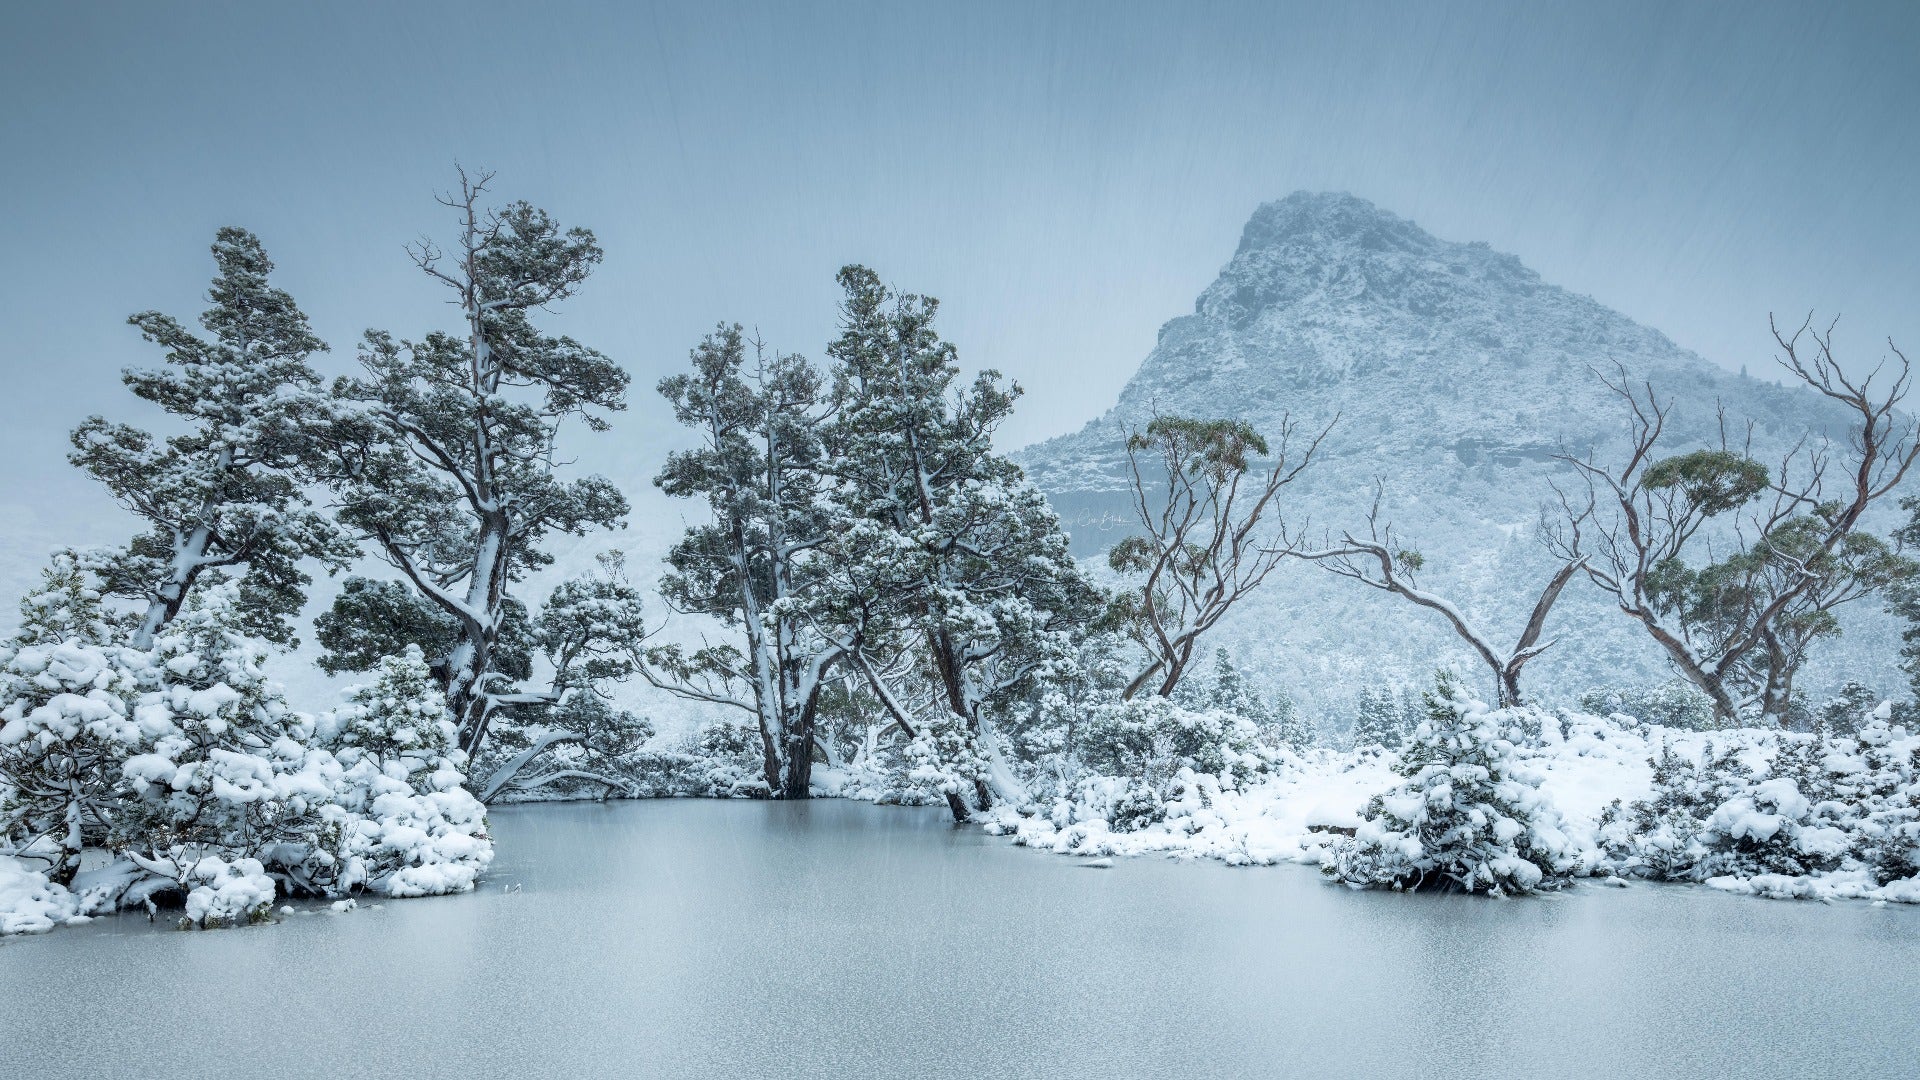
1581	763
29	903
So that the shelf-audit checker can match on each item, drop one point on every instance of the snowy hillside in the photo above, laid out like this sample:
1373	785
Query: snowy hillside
1456	374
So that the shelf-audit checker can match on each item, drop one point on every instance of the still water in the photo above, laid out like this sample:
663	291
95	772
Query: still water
692	938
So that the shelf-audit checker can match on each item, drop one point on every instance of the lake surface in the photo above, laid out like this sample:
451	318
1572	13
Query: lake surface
693	938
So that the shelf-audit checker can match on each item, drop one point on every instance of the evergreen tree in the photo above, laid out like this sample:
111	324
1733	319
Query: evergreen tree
1231	692
1843	713
1464	816
951	554
404	824
1377	724
1290	728
224	496
225	771
753	566
451	469
66	719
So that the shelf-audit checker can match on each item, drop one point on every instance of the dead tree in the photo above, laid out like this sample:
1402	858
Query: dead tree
1733	569
1379	561
1202	505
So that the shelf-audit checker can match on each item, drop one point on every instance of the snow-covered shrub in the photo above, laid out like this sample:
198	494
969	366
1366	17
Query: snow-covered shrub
226	894
1145	754
1776	812
225	771
66	726
1785	823
400	820
1660	837
943	758
1674	704
1466	815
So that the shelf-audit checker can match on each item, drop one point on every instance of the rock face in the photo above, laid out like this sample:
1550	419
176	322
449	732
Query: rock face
1457	375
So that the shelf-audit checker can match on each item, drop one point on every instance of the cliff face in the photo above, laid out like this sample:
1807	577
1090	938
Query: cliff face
1456	375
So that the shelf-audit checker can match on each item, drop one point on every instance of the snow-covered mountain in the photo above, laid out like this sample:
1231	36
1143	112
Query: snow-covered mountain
1457	375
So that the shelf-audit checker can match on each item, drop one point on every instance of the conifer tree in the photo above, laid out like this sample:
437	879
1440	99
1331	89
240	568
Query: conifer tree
225	497
755	565
1377	724
452	470
1464	816
951	553
66	719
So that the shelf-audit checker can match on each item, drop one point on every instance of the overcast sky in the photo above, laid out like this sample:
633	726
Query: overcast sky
1066	177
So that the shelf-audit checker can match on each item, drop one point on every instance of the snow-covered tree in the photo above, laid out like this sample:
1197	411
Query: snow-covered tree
1466	814
452	470
1230	692
225	770
952	558
1843	713
402	822
1377	723
224	497
1676	703
1278	720
66	720
589	635
753	565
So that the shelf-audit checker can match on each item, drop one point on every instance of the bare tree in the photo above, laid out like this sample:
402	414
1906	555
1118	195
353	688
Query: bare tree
1731	568
1380	561
1196	492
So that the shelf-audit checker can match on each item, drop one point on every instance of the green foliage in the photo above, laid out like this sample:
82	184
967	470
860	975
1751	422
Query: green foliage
371	620
1216	447
224	498
1711	481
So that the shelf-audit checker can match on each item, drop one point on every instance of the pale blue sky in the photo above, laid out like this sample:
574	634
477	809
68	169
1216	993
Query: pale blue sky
1065	176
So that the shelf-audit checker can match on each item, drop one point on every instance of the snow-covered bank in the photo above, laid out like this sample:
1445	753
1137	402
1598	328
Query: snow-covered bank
1774	814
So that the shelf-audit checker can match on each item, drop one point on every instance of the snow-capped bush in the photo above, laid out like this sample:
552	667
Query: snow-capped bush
1144	760
225	771
944	759
1674	704
1467	815
400	821
66	727
1779	813
226	894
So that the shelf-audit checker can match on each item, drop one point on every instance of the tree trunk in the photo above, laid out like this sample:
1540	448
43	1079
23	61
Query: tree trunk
72	842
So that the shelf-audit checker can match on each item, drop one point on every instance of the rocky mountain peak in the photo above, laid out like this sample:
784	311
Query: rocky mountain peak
1458	377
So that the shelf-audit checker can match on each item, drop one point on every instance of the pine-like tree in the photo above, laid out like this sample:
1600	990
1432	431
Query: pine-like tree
225	772
403	823
1377	723
225	496
452	471
1465	815
952	556
66	727
754	565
